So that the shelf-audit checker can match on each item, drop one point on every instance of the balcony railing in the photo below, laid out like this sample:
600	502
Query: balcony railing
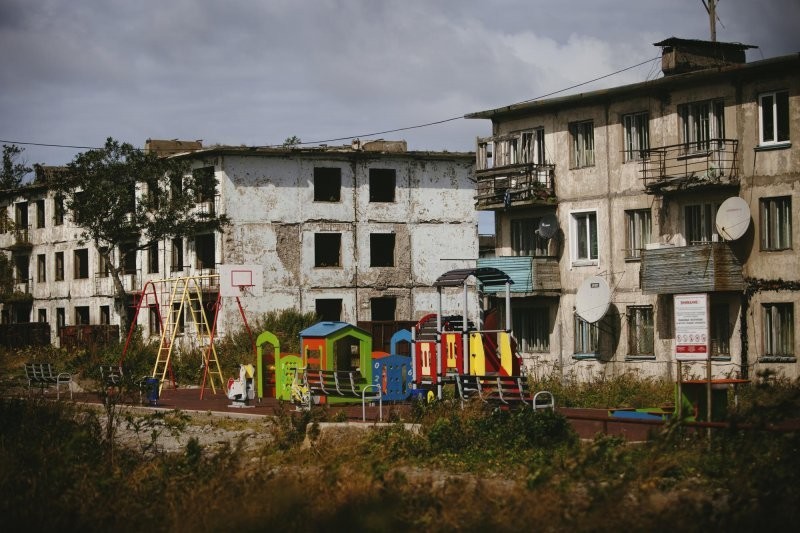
692	165
104	284
529	274
707	267
517	184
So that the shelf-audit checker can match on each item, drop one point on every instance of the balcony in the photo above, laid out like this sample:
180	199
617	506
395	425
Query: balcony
700	165
530	275
707	267
104	283
511	171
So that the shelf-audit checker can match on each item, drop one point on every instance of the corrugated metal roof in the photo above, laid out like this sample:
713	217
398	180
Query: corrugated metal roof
517	268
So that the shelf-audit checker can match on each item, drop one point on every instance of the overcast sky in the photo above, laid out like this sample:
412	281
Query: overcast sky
74	72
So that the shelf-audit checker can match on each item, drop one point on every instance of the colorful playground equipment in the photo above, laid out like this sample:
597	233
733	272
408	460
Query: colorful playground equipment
337	357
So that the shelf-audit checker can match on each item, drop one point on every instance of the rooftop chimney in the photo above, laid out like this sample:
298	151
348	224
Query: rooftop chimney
688	55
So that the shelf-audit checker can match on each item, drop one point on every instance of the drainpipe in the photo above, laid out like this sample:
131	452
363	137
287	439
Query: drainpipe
439	346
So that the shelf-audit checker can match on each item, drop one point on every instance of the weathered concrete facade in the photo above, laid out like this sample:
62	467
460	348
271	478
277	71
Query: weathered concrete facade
642	168
355	233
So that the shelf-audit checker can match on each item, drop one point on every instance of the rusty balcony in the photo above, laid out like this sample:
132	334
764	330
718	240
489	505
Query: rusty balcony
521	184
706	267
703	164
530	275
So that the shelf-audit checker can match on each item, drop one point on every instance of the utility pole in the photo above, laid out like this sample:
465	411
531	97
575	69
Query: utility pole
711	8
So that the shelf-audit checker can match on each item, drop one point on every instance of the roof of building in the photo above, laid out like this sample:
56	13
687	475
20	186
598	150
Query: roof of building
328	328
779	64
486	275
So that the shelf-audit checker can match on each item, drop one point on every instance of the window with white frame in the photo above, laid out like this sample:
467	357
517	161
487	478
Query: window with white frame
637	135
587	338
773	114
582	135
701	124
778	329
639	226
699	223
532	329
524	239
641	341
584	237
776	223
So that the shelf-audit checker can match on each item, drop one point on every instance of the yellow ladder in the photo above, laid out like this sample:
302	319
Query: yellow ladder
186	298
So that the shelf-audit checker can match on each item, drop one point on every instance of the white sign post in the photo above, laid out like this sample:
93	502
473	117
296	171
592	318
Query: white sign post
691	327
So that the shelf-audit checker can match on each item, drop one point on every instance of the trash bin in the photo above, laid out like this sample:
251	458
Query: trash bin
151	386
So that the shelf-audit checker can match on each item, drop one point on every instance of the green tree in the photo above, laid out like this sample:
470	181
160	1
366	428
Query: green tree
13	170
292	141
100	190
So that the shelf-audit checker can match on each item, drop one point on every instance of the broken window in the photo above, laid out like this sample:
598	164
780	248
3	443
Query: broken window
81	315
327	184
205	251
81	264
382	184
40	213
532	147
105	315
327	249
103	265
381	249
637	136
21	215
152	258
205	184
774	117
640	331
128	253
177	255
58	211
702	123
59	266
383	308
41	268
582	134
22	267
329	309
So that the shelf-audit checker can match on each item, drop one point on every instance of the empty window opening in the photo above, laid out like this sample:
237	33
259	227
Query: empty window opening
41	315
205	251
205	184
105	315
59	266
81	259
152	258
329	309
177	255
128	252
41	268
22	266
327	249
327	184
40	213
81	315
383	308
381	249
382	184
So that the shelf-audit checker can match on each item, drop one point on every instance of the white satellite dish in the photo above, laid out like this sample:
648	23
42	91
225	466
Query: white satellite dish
548	226
733	218
593	299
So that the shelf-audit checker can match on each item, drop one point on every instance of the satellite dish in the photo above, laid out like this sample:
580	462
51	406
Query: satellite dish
548	226
733	218
593	299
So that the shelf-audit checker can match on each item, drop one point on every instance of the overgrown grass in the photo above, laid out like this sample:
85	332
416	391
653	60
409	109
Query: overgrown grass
624	390
465	470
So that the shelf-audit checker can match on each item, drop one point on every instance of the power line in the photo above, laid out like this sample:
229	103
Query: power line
384	132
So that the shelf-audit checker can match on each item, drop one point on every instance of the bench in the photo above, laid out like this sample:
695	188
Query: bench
502	391
342	384
43	375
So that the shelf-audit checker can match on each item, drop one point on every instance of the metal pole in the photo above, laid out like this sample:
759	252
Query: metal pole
465	333
439	347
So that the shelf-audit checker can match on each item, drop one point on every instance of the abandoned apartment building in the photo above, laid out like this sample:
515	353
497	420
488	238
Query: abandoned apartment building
354	233
625	184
